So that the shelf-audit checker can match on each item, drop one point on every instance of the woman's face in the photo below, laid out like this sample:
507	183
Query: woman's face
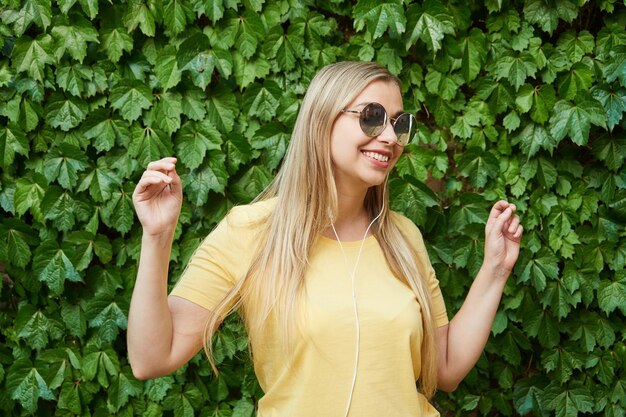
360	161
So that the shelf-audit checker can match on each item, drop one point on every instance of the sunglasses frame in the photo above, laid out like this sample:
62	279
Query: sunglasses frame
387	119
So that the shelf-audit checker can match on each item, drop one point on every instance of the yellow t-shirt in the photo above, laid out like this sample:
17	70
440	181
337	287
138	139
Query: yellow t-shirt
319	379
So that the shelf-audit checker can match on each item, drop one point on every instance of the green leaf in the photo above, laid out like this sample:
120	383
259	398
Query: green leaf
166	68
578	79
616	67
194	140
516	68
272	140
37	329
568	401
17	238
114	42
69	398
65	113
184	400
140	14
156	389
73	38
193	104
59	206
546	13
90	7
211	177
612	294
611	150
432	22
196	55
100	182
247	71
478	166
149	144
213	9
53	267
243	408
37	11
166	113
130	97
528	397
25	384
247	31
100	364
107	317
118	211
533	138
74	319
6	74
105	129
511	121
238	152
12	141
262	100
411	197
72	78
474	54
563	363
251	183
613	101
32	55
576	45
29	194
63	163
575	120
380	17
176	15
122	387
537	269
414	163
472	209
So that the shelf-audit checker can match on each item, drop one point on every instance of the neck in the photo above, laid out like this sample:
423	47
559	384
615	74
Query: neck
352	217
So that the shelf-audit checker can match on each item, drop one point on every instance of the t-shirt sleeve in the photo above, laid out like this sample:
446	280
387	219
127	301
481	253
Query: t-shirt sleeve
213	269
439	312
225	255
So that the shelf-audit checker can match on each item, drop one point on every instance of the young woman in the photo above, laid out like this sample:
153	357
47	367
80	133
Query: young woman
343	311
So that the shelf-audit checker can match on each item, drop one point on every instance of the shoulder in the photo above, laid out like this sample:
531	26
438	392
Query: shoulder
249	215
408	229
405	224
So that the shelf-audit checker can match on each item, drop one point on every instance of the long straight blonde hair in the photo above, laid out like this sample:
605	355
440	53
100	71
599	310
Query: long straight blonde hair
307	200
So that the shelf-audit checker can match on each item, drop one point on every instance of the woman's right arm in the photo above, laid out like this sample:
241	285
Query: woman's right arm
163	334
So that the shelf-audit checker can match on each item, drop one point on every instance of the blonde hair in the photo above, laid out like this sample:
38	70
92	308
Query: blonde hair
276	276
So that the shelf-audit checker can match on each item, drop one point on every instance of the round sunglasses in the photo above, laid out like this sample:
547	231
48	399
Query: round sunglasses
373	120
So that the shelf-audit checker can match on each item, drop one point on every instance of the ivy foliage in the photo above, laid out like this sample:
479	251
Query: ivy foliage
522	100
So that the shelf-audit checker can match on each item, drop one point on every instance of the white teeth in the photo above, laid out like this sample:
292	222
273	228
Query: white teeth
376	156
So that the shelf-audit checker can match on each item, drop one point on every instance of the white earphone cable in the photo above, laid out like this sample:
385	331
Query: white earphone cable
354	300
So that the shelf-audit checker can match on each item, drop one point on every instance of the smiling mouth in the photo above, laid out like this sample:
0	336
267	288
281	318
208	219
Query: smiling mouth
376	156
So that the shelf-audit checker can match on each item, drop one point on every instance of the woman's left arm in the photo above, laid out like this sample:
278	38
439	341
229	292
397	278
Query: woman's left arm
461	342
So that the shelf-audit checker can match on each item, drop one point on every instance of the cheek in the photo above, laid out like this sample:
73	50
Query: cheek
396	156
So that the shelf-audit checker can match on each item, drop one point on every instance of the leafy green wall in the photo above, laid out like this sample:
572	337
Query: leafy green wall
517	99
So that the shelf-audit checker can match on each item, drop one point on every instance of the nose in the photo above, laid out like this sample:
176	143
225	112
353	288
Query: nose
388	135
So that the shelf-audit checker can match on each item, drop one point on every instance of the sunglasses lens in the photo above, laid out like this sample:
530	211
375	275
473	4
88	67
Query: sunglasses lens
404	128
373	119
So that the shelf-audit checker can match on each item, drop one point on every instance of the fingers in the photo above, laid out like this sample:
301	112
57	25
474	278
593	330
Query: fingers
163	165
513	228
161	172
502	220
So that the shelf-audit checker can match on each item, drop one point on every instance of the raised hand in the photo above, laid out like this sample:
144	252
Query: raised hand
503	233
158	197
